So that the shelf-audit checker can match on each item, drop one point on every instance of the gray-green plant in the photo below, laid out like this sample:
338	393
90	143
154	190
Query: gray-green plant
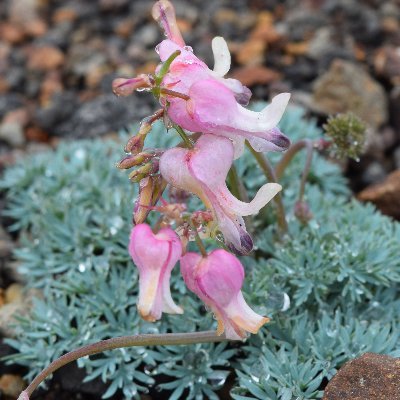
341	271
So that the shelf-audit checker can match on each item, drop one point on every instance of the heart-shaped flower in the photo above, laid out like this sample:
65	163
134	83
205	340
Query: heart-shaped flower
203	171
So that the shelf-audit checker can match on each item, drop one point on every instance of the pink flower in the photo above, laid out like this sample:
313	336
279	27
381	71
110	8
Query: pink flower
217	279
23	396
155	255
215	104
202	171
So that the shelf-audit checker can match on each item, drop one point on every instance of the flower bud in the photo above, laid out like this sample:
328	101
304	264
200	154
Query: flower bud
144	171
155	255
134	160
135	144
125	87
145	200
302	212
164	13
217	279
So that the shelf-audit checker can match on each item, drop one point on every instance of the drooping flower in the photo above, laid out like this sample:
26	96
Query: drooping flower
203	171
217	279
215	104
155	255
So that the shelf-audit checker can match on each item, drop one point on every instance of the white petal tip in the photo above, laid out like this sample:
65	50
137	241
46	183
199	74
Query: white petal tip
222	56
275	187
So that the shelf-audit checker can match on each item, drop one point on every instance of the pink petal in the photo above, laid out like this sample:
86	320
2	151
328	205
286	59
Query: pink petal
221	158
217	279
214	107
241	315
155	256
164	13
274	140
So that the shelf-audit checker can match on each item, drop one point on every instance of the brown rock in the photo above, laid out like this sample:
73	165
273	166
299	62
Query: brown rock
390	24
12	127
225	15
19	307
11	385
13	293
36	134
45	58
264	33
256	75
297	48
251	52
265	29
4	86
369	377
387	63
36	28
385	195
65	14
184	25
12	33
23	12
348	87
20	116
125	28
51	85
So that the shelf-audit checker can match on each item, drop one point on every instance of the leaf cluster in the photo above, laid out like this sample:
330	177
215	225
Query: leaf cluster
72	211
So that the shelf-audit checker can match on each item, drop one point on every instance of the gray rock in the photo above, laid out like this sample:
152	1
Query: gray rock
349	87
12	133
397	158
62	107
104	115
8	102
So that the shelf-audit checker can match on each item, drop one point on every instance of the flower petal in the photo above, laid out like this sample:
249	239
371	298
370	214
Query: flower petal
222	56
164	13
155	256
217	280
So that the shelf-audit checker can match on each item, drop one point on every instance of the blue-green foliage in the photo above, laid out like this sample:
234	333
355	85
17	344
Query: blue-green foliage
341	272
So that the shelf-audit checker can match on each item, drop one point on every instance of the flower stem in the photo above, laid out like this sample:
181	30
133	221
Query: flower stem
198	240
288	157
271	176
236	185
166	339
184	137
172	93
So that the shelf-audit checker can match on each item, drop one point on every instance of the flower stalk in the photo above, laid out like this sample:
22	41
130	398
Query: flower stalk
188	143
288	157
166	339
270	174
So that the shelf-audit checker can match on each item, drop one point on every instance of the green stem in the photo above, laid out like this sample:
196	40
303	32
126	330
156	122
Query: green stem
166	339
236	185
184	137
270	175
198	240
306	170
165	67
288	157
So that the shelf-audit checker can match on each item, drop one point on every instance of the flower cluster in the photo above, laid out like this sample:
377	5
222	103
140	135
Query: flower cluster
207	110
